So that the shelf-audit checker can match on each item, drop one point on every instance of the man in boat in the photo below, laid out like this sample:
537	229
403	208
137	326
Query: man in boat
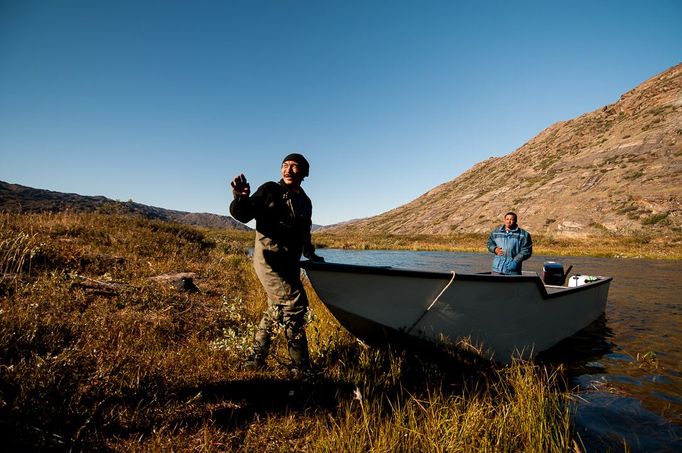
511	245
283	214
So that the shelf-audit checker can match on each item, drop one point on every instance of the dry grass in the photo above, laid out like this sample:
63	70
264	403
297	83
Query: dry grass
130	364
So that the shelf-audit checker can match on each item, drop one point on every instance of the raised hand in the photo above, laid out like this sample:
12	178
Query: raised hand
240	186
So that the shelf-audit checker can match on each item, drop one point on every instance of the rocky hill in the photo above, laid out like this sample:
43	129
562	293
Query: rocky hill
617	169
17	198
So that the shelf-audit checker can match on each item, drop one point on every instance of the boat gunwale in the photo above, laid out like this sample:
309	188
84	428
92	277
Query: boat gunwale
400	272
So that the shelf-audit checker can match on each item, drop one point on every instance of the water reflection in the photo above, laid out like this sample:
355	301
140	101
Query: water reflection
581	352
627	365
609	419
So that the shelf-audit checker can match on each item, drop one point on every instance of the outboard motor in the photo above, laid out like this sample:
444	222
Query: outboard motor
553	273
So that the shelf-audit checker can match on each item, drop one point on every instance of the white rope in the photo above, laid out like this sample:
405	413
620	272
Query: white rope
434	301
441	293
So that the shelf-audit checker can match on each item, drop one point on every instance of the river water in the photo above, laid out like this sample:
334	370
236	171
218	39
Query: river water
626	367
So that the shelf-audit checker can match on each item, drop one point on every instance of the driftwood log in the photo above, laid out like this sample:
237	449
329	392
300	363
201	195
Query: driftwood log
99	287
183	281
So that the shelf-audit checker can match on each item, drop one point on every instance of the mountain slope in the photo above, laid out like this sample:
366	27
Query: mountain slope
617	169
18	198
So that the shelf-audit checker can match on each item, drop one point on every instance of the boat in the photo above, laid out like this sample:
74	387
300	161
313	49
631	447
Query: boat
502	317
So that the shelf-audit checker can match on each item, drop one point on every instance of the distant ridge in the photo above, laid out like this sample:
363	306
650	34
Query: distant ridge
18	198
616	170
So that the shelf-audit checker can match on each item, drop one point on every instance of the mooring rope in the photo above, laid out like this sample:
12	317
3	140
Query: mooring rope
434	302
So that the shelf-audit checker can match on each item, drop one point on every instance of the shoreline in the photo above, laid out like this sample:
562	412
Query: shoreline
626	247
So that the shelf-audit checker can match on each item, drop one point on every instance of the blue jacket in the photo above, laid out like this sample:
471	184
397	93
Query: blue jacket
517	245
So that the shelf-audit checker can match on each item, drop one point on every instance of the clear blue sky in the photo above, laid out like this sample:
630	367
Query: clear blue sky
163	102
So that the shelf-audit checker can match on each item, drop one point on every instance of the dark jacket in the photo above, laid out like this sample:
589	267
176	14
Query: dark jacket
283	218
517	245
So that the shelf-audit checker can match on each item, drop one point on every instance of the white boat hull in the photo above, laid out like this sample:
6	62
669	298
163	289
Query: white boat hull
504	316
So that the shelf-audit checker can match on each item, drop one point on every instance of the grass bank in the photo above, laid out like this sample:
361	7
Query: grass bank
99	353
610	246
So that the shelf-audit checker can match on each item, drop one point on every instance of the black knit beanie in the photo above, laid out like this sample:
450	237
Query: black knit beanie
300	160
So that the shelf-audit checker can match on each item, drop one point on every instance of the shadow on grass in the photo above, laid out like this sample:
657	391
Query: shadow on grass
239	402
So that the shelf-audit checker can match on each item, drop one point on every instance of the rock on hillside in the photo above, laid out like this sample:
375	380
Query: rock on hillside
617	169
18	198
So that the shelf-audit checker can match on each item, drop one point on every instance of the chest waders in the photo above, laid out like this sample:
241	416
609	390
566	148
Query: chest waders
278	270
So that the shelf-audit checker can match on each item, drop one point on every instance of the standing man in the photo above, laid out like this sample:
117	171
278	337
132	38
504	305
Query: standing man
511	246
283	219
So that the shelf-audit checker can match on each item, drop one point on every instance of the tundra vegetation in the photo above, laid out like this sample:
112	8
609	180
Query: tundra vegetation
97	354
